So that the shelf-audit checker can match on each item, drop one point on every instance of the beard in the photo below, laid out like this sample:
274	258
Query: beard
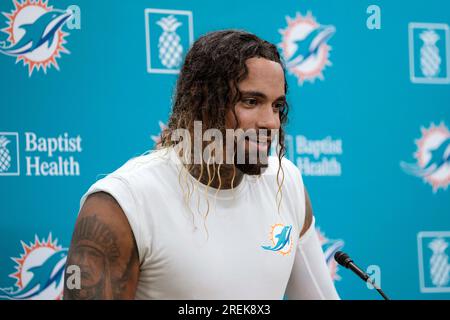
253	169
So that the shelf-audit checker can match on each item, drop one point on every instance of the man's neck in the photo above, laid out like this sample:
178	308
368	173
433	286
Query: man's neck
230	176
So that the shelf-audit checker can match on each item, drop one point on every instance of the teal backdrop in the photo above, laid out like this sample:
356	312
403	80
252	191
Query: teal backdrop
368	124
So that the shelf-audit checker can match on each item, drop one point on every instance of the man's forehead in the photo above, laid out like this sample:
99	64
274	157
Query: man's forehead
263	75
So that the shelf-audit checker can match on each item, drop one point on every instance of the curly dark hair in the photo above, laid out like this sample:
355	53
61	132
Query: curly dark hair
207	87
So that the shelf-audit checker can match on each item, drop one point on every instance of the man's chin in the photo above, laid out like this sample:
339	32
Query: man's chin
248	166
252	169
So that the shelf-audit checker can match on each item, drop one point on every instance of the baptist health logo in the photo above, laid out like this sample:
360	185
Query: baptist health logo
429	53
169	35
433	157
39	271
314	157
305	48
40	153
35	35
434	267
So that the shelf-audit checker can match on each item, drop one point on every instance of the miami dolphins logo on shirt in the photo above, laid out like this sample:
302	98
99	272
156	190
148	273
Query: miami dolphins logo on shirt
281	238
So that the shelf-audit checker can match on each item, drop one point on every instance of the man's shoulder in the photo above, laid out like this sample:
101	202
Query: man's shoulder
151	161
141	172
289	173
287	166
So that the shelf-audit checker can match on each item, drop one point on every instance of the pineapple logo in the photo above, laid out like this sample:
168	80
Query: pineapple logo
169	33
434	267
430	60
429	53
5	157
439	266
9	159
170	49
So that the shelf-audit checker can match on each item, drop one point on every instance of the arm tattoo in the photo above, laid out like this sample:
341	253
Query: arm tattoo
95	251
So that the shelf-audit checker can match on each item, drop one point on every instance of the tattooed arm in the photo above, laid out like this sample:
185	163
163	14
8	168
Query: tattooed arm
104	248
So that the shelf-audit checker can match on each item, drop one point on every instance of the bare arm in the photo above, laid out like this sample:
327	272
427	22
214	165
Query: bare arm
104	248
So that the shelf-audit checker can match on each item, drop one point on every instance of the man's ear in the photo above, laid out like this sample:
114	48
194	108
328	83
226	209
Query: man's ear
308	214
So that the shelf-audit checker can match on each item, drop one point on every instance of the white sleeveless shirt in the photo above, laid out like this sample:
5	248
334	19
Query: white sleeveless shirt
244	249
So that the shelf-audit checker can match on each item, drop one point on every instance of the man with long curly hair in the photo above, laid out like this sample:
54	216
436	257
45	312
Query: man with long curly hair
191	221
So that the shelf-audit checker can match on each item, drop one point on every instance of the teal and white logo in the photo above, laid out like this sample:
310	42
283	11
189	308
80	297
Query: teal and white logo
304	46
169	34
281	239
429	53
434	266
39	271
35	33
330	247
9	154
433	157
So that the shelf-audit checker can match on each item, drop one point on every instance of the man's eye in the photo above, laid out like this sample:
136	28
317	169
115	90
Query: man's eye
280	105
251	101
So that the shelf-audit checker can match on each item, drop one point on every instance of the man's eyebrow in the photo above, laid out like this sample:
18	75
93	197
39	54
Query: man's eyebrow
260	94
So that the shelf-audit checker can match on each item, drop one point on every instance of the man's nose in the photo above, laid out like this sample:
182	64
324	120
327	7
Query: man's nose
267	118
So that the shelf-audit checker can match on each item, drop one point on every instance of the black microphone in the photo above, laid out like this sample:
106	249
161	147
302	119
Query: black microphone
344	260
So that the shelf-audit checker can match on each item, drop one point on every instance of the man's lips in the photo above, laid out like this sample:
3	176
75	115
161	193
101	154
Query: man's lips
265	140
261	143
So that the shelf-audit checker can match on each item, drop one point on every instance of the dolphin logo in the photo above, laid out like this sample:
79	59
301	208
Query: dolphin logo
440	156
284	238
310	45
38	33
50	272
331	248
